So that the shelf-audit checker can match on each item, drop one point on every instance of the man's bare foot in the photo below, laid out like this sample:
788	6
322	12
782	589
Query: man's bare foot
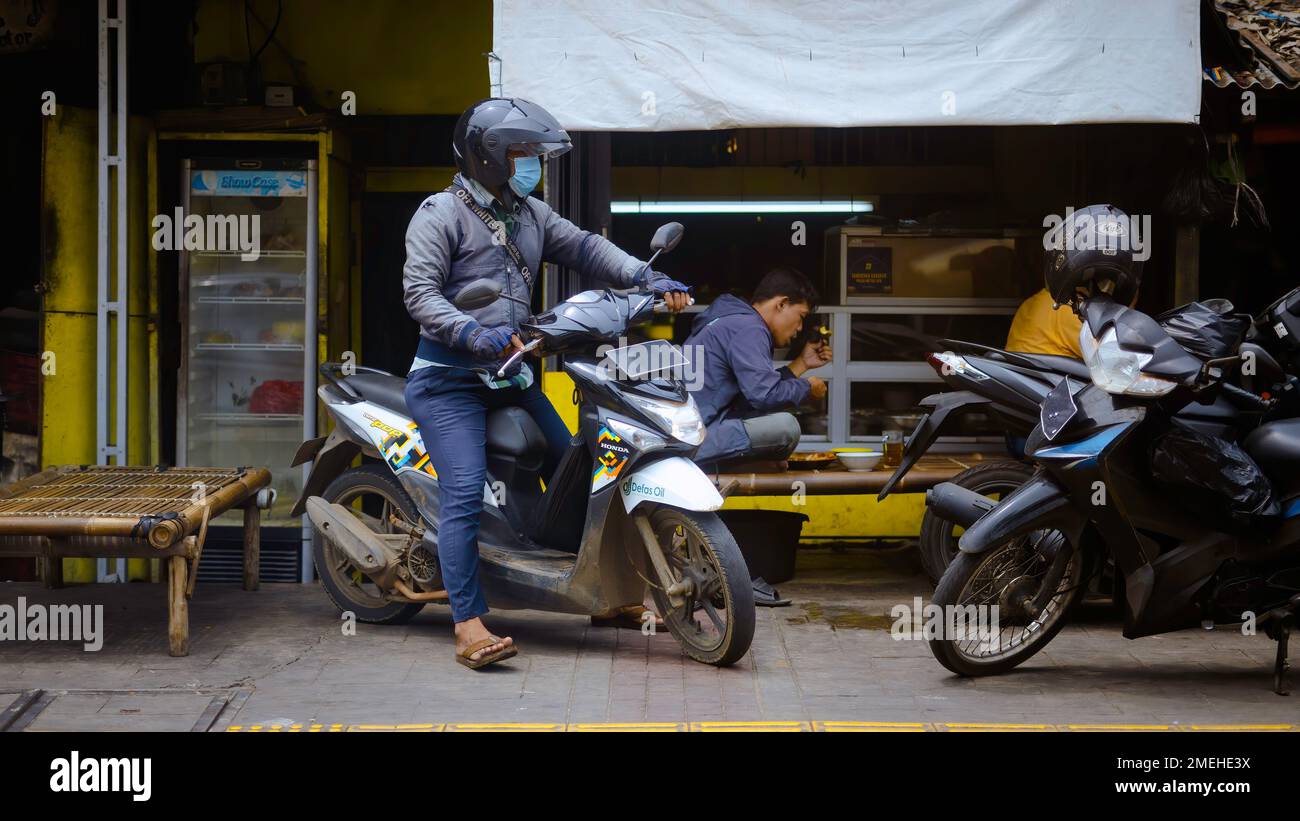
469	632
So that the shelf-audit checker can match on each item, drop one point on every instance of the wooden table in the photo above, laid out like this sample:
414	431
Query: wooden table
114	512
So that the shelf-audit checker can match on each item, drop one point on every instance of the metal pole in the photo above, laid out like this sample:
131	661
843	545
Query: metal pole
117	308
101	257
309	343
101	248
122	178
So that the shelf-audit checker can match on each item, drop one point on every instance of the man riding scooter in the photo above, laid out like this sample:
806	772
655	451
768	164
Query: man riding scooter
484	225
743	400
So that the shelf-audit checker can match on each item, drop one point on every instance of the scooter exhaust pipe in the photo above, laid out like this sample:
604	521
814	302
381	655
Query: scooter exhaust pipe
364	548
957	504
427	595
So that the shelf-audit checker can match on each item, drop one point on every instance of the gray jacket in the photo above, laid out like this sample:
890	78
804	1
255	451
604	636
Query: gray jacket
447	247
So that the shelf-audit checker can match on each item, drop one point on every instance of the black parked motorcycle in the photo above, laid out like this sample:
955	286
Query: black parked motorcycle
1010	387
1201	530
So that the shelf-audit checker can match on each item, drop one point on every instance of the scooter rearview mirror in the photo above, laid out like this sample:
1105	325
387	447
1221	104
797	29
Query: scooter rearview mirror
477	294
667	237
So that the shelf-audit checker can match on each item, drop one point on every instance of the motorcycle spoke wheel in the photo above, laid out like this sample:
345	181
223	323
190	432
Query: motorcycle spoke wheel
1003	579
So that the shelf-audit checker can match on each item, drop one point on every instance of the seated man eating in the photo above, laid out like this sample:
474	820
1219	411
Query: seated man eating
743	398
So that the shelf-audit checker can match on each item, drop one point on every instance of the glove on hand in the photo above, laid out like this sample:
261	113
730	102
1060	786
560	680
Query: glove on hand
661	283
488	343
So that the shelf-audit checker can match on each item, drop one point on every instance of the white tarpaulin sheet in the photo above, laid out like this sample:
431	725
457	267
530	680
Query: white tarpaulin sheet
668	65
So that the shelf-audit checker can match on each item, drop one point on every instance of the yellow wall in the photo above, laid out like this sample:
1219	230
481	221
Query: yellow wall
68	409
419	179
397	56
336	295
558	387
898	516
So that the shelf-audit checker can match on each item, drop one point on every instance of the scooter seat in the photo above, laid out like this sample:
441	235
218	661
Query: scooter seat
385	390
512	432
1275	446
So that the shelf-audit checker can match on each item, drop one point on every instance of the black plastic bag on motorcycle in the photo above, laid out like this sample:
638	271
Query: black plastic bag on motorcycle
1216	474
1206	329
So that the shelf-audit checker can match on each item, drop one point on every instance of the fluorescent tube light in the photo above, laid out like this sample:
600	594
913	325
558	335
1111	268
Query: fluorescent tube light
743	207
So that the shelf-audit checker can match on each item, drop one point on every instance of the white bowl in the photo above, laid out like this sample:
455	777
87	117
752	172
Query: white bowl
861	460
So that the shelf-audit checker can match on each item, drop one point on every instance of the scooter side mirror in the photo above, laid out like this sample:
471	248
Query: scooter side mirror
1267	369
478	294
667	237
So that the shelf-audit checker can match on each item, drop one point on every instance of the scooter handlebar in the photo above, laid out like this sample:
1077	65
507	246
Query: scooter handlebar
661	307
1244	398
514	357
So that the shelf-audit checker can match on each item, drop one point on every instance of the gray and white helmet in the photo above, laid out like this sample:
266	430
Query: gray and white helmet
488	130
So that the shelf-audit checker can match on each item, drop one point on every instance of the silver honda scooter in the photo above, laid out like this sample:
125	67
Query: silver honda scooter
625	510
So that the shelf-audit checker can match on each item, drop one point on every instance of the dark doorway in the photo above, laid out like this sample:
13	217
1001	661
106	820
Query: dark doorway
388	334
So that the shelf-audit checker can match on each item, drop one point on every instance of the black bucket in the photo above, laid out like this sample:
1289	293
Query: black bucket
768	539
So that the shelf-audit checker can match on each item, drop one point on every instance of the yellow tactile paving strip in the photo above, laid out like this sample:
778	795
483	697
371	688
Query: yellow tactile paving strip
758	727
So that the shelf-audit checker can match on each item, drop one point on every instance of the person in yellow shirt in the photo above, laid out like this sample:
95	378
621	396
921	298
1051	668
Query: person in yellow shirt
1037	328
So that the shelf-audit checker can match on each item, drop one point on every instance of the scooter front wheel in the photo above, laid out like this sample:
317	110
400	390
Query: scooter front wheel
998	605
713	620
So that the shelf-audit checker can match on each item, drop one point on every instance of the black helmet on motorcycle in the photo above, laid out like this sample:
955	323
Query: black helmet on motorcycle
1091	252
490	129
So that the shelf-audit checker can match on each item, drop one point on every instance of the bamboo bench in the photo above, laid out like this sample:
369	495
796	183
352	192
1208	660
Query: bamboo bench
126	512
770	479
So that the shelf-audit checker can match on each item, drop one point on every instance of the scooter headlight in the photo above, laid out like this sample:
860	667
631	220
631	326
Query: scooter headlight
638	437
681	419
1116	370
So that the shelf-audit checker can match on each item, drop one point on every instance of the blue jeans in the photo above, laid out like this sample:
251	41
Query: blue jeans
450	406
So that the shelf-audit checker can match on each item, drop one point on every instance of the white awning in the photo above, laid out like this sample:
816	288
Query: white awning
670	65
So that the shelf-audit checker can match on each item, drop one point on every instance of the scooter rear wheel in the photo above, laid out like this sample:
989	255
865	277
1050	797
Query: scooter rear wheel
373	492
715	624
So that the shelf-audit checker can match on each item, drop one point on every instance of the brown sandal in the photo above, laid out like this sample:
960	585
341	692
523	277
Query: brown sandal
629	618
463	656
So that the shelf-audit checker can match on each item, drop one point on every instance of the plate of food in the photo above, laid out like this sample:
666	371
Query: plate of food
811	460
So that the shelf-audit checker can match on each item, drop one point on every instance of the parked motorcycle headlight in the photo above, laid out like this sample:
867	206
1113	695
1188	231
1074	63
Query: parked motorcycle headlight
639	438
681	419
1116	370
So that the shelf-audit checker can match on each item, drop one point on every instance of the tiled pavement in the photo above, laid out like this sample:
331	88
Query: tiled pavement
830	658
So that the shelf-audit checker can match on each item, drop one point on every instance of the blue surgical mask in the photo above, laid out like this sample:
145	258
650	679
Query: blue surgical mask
528	172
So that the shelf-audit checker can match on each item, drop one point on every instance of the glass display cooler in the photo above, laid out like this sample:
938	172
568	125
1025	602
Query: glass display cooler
248	360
